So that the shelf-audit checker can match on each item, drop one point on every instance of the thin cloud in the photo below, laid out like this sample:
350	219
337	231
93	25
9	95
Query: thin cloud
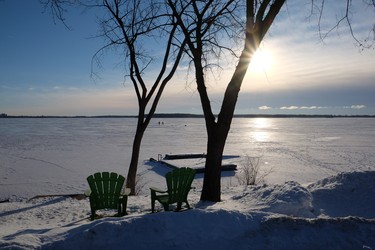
8	88
318	107
264	107
290	107
358	106
313	107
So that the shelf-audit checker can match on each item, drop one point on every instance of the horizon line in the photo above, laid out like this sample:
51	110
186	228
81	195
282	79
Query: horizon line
190	115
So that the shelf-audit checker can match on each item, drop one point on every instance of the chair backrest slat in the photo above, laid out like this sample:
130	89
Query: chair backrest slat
179	183
105	189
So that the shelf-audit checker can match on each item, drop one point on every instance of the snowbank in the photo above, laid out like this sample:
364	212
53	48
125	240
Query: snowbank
345	194
334	213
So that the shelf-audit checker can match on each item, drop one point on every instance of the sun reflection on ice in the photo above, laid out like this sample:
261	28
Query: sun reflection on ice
259	127
261	123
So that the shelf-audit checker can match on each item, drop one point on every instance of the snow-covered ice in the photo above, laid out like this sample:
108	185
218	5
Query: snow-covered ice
319	193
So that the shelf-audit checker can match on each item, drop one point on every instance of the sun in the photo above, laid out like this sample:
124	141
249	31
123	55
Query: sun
261	61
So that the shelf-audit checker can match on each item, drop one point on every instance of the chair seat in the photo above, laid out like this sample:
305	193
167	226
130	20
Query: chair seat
163	198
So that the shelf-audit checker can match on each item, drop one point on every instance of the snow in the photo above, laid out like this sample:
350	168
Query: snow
328	205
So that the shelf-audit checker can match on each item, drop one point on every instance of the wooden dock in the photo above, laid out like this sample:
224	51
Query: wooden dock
194	161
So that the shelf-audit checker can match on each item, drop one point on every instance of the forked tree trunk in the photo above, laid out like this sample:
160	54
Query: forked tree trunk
256	27
218	131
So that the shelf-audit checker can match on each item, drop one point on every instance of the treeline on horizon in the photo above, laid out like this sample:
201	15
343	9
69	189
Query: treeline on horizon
186	115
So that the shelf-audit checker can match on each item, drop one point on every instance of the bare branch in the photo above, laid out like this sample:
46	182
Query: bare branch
58	9
345	19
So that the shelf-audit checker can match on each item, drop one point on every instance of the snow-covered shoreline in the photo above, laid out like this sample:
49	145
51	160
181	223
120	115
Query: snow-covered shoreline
337	212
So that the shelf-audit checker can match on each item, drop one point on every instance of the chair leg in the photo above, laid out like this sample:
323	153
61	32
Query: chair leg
187	204
166	206
124	205
179	206
152	205
153	198
92	217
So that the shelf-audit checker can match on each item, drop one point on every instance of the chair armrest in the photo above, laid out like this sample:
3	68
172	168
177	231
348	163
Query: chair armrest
125	191
87	192
157	190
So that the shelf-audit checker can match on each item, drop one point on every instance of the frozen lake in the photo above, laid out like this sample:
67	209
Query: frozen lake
55	155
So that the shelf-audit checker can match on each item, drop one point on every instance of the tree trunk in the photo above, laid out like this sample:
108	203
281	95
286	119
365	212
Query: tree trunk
218	131
132	172
212	177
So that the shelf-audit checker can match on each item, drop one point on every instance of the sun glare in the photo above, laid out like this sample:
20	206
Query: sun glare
260	132
261	123
261	62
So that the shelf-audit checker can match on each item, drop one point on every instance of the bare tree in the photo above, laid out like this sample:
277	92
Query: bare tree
127	25
128	22
202	23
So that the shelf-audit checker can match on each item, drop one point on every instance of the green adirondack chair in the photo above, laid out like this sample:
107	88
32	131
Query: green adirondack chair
178	186
106	192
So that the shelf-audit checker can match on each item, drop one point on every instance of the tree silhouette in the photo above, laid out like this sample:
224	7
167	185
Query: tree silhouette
126	25
203	25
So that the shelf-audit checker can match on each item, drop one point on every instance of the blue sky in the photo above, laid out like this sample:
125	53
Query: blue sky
45	68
